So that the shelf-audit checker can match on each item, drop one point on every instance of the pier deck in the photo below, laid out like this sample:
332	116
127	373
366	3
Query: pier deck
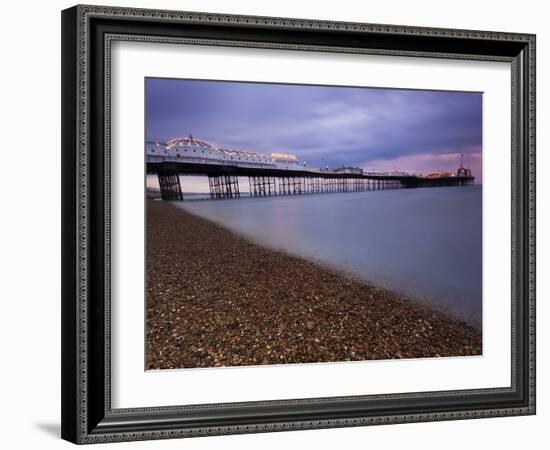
224	183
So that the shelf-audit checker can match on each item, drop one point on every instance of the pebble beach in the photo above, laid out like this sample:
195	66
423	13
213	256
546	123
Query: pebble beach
216	299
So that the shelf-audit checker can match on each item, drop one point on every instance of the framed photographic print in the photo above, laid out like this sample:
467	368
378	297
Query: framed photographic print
281	224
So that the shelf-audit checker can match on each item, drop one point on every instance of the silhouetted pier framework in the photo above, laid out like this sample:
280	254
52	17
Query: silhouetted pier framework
224	180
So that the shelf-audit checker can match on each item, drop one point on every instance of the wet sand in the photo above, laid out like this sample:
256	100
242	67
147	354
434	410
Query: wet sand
215	299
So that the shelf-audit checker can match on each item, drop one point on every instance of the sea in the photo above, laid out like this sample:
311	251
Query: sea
425	243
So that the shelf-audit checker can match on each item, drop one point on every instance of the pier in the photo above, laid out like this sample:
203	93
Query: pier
271	175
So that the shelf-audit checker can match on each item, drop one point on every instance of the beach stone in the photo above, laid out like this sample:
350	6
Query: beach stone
310	325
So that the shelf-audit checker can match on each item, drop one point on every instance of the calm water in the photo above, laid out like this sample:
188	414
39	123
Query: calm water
425	243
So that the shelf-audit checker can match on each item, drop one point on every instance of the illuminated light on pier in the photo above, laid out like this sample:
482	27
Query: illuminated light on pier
271	174
284	156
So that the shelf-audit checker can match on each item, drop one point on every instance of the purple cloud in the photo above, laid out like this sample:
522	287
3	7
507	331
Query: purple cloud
324	125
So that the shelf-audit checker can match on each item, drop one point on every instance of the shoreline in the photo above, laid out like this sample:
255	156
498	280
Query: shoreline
348	274
216	299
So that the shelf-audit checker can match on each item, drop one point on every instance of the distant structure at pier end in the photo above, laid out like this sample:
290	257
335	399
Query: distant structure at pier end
463	171
277	173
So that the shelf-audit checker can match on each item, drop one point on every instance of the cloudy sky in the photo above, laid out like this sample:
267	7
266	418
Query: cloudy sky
377	129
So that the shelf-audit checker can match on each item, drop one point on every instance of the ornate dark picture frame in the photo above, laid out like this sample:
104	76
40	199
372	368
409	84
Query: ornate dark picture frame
87	33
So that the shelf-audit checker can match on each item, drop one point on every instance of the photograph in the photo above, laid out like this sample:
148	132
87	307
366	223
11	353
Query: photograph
301	223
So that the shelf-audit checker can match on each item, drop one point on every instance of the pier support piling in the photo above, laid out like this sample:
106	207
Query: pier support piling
224	186
261	186
170	187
